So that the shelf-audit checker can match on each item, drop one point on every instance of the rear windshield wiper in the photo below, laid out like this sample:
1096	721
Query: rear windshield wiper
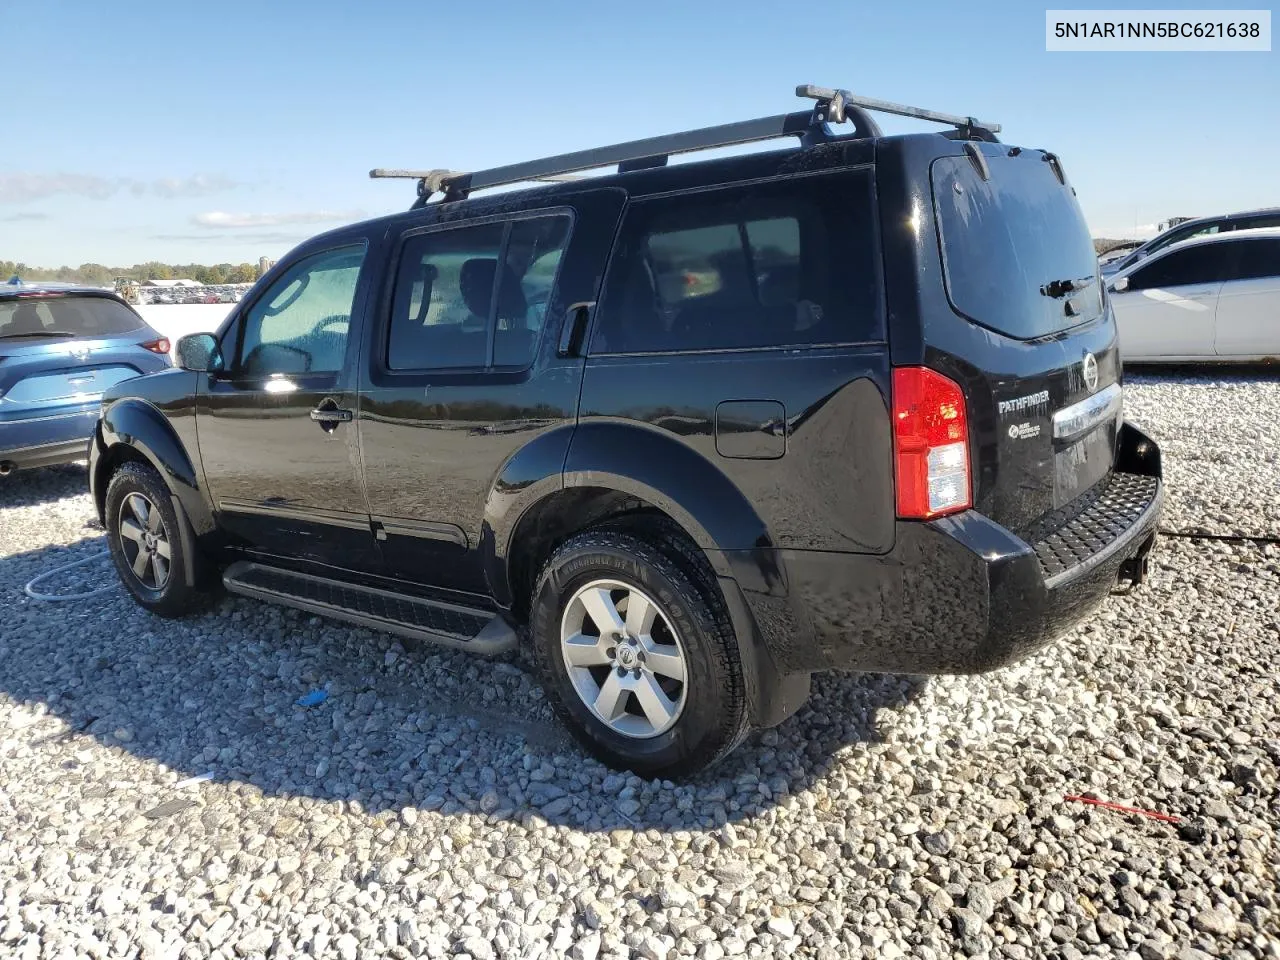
1061	288
41	333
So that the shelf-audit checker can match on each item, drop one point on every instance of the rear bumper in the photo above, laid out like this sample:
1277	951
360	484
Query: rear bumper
48	440
962	594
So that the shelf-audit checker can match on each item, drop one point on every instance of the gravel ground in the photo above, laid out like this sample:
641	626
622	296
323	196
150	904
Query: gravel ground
431	806
1219	442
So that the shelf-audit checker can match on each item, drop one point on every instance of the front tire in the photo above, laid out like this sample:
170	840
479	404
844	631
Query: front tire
637	656
146	543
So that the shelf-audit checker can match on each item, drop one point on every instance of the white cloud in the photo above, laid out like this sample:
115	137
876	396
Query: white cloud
198	185
17	187
24	216
221	220
23	187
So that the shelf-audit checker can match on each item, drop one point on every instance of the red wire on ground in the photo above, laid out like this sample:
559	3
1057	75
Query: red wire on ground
1167	818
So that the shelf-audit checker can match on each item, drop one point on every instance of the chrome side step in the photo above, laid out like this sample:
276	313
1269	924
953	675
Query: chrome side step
477	631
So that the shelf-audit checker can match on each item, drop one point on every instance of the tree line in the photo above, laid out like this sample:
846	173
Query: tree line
100	275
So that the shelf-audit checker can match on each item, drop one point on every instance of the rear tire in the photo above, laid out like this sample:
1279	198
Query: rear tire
146	543
658	688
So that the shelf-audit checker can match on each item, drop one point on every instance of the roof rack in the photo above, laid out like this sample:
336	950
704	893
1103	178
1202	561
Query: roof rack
810	126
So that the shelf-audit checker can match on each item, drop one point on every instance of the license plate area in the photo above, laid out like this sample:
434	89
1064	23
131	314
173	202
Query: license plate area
1079	464
83	383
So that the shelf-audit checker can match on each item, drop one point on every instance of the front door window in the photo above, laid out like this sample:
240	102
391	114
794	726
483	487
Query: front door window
300	324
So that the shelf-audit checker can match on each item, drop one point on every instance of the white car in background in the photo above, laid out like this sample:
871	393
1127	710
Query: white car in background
1214	297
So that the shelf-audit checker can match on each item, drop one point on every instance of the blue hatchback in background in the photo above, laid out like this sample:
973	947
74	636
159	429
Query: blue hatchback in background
60	347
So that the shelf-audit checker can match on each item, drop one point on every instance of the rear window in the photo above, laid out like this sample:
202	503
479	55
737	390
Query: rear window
79	316
1008	240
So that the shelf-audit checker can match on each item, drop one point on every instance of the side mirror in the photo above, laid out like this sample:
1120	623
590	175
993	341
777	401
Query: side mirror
199	352
1119	285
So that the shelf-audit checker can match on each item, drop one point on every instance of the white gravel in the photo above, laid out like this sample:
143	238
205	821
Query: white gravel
431	806
1218	436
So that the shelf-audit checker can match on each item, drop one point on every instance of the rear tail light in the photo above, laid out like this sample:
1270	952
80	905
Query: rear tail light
930	444
158	345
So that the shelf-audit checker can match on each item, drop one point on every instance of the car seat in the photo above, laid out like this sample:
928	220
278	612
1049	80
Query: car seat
26	319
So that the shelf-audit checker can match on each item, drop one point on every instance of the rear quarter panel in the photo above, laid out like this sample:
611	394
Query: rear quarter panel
831	490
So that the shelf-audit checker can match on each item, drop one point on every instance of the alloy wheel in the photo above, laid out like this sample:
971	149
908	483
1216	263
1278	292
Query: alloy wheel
144	539
624	658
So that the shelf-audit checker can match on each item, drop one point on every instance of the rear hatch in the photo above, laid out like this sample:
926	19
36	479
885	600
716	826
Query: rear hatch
1040	348
61	352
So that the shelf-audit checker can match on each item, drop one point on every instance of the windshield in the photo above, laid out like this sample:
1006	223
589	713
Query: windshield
1017	254
66	317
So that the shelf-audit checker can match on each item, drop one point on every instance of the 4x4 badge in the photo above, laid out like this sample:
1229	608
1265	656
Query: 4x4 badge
1090	371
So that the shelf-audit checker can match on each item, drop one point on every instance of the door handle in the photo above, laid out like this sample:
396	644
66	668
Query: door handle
328	415
331	416
574	329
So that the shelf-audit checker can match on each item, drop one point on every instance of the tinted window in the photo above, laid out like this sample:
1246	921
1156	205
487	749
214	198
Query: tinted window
1257	223
531	258
1178	234
780	264
1256	259
300	323
445	307
1005	238
1204	264
81	316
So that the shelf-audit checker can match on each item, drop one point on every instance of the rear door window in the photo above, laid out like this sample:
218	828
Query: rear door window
1258	259
1008	239
461	291
1207	263
1257	223
57	316
441	308
785	263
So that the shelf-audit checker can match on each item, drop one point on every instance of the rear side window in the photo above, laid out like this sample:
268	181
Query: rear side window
80	316
463	291
786	263
1007	238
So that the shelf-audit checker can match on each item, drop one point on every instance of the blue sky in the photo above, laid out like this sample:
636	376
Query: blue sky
229	131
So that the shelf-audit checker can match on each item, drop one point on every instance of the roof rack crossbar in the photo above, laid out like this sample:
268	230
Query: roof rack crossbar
560	167
436	179
844	97
811	126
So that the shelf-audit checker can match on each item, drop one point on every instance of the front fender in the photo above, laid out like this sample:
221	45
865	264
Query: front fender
143	427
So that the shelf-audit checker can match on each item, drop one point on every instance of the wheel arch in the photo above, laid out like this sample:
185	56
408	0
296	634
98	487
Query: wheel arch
573	478
616	471
135	430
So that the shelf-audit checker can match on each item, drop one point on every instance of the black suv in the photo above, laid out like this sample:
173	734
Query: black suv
696	431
